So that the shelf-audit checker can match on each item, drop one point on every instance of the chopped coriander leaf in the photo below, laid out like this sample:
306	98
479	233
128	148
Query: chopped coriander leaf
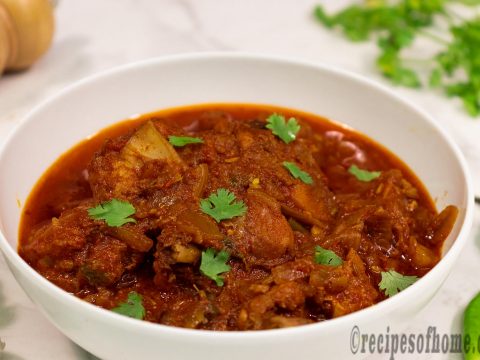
285	130
133	307
213	265
327	257
180	141
115	212
393	282
363	175
222	205
297	173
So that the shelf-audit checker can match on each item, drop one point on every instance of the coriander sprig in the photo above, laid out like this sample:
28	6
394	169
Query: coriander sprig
285	130
133	307
327	257
455	68
213	265
363	175
180	141
114	212
223	205
393	282
298	173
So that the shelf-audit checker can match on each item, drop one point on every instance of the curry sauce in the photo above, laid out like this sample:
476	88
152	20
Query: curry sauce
309	225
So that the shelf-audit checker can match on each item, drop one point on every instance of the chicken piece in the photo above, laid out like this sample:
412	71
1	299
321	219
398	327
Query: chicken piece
60	238
293	270
189	313
178	242
118	169
259	311
343	289
263	235
105	262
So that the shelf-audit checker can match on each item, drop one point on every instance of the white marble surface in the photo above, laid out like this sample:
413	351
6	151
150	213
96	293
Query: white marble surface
94	35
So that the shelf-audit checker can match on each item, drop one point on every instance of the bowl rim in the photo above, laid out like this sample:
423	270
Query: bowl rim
349	320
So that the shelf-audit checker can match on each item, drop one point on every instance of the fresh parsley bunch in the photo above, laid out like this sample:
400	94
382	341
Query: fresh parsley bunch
396	24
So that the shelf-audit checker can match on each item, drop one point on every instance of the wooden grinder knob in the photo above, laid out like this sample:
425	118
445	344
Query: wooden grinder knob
26	31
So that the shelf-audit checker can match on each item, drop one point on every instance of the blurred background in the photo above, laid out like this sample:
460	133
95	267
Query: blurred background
96	35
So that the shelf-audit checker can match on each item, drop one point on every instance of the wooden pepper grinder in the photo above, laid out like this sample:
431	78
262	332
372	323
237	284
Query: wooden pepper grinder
26	31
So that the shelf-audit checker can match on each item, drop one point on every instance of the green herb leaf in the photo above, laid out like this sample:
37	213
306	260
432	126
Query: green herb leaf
115	212
471	327
222	205
406	77
180	141
396	24
287	131
469	2
391	67
213	265
297	173
363	175
322	16
392	282
133	307
327	257
435	80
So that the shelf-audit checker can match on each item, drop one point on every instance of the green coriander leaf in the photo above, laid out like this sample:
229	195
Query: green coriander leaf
471	103
458	89
180	141
297	173
401	38
222	205
388	62
356	22
397	39
115	212
327	257
287	131
213	265
391	66
469	2
435	78
459	60
471	326
392	282
322	16
363	175
133	307
449	60
406	77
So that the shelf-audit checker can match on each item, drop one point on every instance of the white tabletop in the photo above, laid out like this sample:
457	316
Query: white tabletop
94	35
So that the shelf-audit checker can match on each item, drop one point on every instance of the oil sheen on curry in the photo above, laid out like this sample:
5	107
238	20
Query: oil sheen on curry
231	217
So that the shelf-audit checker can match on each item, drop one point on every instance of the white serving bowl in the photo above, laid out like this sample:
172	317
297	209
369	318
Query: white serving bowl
90	105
